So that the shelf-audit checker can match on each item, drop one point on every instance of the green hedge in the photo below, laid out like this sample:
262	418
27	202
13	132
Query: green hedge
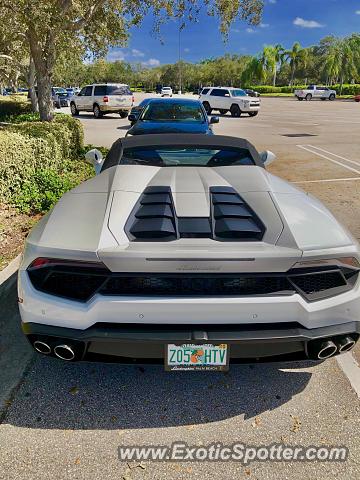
13	105
39	161
347	89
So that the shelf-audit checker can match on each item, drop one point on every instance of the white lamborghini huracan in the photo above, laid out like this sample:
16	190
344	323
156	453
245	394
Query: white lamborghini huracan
185	250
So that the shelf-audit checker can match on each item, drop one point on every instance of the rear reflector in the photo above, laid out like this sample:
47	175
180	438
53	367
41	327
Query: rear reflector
105	99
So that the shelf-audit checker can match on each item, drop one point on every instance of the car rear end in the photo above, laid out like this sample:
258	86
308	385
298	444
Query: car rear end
116	98
300	93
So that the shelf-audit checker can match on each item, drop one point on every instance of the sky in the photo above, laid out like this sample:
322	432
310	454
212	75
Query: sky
284	22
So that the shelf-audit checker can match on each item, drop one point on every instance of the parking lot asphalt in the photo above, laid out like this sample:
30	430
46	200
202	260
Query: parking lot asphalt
66	420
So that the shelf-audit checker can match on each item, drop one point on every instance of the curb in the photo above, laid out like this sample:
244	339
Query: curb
10	269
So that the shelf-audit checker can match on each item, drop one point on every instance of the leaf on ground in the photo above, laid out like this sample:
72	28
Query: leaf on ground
296	424
256	422
74	390
77	461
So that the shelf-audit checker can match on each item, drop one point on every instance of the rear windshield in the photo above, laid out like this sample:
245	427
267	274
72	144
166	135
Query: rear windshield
186	156
118	90
173	112
238	93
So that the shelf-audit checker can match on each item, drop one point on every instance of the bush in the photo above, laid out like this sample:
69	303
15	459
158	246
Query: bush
347	89
76	131
45	187
10	106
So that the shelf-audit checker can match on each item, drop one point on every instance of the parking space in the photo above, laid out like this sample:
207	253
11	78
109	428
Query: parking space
67	420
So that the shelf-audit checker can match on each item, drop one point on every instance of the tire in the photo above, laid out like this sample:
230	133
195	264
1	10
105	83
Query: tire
207	107
300	99
323	99
222	111
97	111
123	114
235	111
253	114
74	110
332	97
308	97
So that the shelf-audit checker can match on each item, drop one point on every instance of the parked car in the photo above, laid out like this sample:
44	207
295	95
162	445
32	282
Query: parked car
166	92
357	97
102	99
137	109
227	99
314	91
59	97
185	249
70	92
172	116
251	93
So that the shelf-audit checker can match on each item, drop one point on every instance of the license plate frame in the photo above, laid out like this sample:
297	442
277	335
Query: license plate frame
210	351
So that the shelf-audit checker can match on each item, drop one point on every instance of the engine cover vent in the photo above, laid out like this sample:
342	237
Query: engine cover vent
233	219
154	219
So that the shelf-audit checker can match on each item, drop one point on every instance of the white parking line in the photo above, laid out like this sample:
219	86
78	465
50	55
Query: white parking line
329	180
336	155
306	147
351	369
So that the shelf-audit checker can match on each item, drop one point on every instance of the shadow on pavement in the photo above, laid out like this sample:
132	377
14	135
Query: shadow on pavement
56	395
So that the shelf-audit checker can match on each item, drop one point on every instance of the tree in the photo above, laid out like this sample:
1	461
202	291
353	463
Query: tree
53	25
293	56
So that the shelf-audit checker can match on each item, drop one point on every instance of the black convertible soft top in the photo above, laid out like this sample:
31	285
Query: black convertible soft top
177	140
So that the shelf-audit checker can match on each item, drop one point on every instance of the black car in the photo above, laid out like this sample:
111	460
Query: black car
172	116
135	111
251	93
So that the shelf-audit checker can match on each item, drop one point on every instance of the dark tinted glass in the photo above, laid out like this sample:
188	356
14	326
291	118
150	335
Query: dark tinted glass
100	90
218	92
186	156
173	112
205	91
118	90
88	91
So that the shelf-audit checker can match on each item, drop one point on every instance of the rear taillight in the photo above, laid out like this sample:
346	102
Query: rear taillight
43	262
133	99
105	99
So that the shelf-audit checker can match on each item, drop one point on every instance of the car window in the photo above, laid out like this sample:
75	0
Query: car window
82	91
311	87
100	90
218	92
204	91
186	156
238	93
118	90
88	91
172	112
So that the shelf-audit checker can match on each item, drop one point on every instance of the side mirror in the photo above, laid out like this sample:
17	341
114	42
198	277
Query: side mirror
95	157
132	118
267	157
214	120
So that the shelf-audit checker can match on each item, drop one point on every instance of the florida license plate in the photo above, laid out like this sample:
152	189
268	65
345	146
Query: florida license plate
206	357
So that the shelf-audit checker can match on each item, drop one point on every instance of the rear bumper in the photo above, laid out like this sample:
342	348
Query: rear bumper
117	108
140	343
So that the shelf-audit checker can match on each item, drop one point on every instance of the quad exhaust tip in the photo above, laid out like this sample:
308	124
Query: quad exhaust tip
327	350
345	344
65	352
42	347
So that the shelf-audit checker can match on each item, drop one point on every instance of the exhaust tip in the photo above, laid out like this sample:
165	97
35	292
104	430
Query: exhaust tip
327	350
42	347
345	344
64	352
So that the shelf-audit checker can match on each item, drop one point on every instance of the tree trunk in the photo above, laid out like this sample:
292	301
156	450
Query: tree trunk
44	61
31	83
274	77
292	73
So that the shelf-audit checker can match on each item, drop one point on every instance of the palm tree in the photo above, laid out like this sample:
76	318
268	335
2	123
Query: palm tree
293	55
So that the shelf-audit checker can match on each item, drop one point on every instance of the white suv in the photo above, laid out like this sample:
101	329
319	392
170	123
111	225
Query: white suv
166	91
228	99
103	98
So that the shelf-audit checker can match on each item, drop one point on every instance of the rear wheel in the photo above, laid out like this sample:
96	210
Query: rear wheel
308	97
207	107
300	99
235	111
123	114
253	114
97	111
332	97
222	111
73	109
